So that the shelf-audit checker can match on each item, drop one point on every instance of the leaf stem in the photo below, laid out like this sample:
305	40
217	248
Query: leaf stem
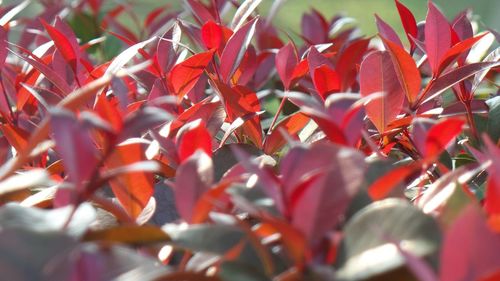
280	108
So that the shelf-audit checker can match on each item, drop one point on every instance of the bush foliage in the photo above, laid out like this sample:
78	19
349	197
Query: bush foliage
205	144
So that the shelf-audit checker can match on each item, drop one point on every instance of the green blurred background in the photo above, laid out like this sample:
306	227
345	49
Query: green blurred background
288	18
487	11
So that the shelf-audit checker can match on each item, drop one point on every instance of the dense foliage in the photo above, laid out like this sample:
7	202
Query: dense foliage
205	144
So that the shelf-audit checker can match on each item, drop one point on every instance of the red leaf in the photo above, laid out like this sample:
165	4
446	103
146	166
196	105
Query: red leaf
406	70
492	198
387	32
184	75
195	137
440	135
300	70
63	45
134	189
212	35
17	137
240	102
291	125
326	81
320	204
235	50
470	248
452	54
286	61
75	146
446	81
409	23
49	73
377	75
437	37
386	183
192	179
315	59
348	61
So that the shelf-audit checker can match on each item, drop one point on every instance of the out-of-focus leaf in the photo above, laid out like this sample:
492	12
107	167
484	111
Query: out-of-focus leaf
224	158
124	57
366	250
15	216
21	181
24	253
193	178
134	189
493	56
101	262
17	137
387	32
129	234
470	248
7	17
313	211
3	45
215	239
244	11
75	146
493	120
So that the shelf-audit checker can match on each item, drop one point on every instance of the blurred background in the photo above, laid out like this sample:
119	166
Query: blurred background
289	16
486	11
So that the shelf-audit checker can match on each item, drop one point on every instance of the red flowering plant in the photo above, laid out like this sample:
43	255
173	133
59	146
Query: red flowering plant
202	145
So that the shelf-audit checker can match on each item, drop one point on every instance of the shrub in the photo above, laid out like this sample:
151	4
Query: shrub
193	147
